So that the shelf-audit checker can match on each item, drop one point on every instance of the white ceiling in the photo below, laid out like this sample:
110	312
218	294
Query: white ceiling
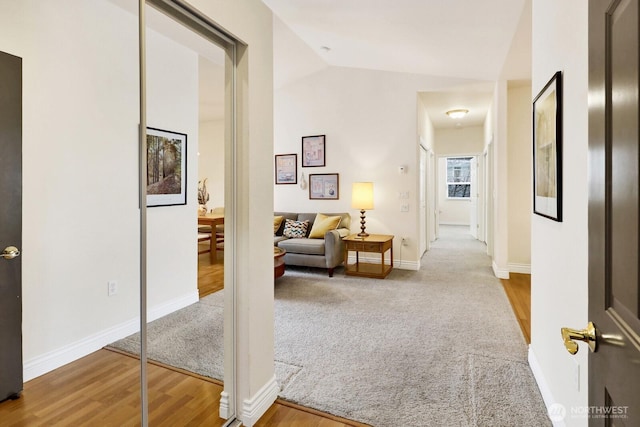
481	41
478	41
454	38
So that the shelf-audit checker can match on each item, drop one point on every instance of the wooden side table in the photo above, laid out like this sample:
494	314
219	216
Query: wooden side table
374	243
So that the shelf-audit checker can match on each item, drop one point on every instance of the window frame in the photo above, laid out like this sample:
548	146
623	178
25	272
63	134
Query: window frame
449	183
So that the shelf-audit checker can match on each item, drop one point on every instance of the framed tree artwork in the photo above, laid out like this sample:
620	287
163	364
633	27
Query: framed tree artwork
166	168
547	150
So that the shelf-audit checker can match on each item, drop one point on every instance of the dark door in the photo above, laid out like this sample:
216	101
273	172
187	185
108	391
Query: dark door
614	368
10	225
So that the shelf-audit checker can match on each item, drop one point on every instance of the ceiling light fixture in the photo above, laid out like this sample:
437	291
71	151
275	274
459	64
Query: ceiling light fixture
457	114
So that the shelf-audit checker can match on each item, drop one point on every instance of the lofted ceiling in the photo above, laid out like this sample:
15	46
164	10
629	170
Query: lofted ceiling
479	41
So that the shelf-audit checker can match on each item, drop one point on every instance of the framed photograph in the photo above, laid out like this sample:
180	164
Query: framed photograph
324	186
166	168
313	151
286	168
547	150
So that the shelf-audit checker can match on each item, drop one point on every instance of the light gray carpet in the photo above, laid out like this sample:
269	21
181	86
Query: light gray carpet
434	347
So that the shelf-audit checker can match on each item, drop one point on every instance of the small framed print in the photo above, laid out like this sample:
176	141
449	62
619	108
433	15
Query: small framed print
324	186
286	168
313	151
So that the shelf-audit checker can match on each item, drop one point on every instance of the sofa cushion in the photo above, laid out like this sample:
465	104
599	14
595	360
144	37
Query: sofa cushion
303	246
322	224
285	215
277	220
293	229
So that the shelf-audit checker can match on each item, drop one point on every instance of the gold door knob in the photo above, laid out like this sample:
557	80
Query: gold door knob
10	252
587	335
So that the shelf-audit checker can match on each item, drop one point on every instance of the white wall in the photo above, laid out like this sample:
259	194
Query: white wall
559	253
496	135
369	119
211	160
80	191
80	203
251	22
520	177
426	136
467	141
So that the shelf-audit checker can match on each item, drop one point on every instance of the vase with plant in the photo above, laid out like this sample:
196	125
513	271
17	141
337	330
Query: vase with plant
203	197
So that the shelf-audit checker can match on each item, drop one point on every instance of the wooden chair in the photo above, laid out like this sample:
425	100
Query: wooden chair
204	237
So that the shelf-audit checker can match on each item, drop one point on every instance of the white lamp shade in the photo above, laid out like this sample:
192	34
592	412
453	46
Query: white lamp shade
362	195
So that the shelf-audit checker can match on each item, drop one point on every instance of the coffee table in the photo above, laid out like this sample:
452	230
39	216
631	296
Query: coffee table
278	262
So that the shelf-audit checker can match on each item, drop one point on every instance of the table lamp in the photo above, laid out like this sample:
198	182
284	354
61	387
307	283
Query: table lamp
362	198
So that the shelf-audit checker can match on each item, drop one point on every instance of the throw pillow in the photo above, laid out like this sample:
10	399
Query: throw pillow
277	220
322	224
293	229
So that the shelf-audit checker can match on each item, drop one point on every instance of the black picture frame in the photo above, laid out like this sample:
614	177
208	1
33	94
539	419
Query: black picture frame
314	151
547	150
166	168
324	186
286	168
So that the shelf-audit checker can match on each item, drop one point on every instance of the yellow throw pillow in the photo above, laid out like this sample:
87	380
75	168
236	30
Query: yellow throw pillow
322	224
277	221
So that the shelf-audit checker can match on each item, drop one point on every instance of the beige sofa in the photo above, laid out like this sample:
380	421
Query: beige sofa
326	252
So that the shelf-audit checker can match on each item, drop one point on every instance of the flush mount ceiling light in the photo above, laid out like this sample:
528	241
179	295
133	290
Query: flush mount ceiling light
457	114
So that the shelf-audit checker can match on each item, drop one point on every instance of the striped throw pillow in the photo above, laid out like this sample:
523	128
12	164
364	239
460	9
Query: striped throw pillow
295	229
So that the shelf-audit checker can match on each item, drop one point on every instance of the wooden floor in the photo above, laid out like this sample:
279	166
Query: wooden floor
518	289
103	389
210	274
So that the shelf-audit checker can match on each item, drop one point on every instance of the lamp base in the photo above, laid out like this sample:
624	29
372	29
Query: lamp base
363	233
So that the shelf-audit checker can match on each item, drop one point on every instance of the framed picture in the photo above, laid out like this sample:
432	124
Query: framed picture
286	168
547	150
324	186
313	151
166	168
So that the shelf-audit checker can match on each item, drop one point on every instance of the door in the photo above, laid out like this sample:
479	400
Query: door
614	371
10	225
473	209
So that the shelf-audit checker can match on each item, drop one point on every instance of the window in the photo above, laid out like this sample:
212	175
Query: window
459	177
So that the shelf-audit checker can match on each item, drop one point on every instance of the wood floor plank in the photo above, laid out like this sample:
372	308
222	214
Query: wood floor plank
103	389
210	275
518	290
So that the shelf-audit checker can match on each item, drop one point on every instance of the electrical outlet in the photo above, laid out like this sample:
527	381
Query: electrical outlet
404	207
112	288
405	241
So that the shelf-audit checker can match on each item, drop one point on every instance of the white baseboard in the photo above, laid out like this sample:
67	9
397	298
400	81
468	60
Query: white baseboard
545	391
51	360
406	265
172	305
519	268
397	263
224	405
500	273
254	408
